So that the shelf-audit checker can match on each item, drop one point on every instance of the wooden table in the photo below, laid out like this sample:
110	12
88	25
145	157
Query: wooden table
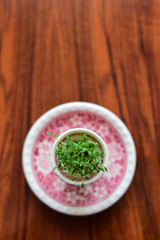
106	52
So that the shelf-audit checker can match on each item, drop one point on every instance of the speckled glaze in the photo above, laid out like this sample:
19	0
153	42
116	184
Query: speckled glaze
95	195
72	195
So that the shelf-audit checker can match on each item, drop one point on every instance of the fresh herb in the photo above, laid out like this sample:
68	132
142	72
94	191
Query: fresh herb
56	135
80	159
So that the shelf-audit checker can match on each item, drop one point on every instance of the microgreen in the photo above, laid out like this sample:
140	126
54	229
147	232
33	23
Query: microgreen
81	159
56	135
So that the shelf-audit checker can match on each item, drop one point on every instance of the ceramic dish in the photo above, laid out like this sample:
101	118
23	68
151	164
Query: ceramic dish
66	198
68	133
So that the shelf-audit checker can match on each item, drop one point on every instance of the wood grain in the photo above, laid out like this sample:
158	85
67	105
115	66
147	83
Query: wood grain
106	52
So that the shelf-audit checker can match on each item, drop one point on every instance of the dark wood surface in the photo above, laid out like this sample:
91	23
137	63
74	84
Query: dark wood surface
106	52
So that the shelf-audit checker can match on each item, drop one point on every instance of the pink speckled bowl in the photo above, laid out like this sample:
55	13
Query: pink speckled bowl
68	133
67	198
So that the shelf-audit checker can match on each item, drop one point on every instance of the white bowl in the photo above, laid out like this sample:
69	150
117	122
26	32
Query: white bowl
73	131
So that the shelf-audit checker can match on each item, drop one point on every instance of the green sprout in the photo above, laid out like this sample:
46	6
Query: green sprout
56	135
81	159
